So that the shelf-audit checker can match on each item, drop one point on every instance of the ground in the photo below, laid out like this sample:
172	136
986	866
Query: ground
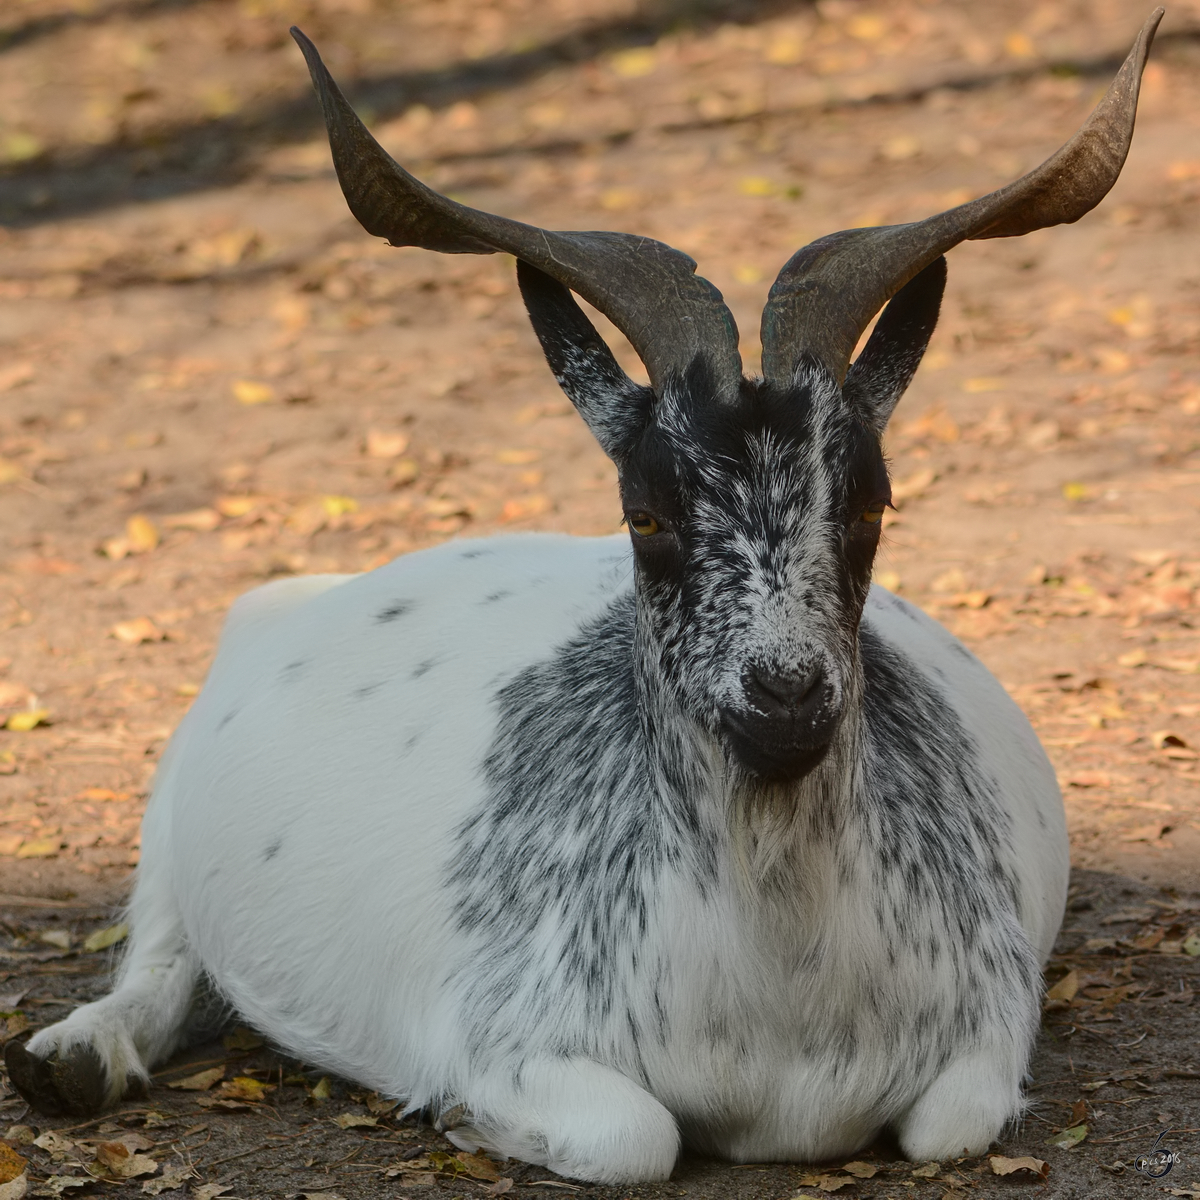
210	376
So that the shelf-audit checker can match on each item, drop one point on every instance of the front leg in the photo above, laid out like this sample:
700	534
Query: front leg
574	1116
965	1109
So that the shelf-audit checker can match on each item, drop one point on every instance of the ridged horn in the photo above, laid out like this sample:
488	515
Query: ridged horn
648	290
827	293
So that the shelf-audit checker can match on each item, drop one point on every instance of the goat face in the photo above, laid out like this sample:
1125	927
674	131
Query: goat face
754	526
755	516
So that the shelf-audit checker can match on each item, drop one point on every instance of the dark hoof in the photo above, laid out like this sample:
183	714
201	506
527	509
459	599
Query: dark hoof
70	1085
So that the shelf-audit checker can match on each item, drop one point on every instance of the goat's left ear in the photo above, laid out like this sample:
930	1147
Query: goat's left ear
614	407
882	372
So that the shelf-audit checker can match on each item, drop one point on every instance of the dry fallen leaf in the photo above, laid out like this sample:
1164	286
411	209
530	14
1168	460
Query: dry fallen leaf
201	1081
11	1164
1089	779
31	718
1065	988
46	847
928	1170
118	1160
1069	1138
209	1191
355	1121
172	1178
199	520
243	1087
136	631
500	1187
382	444
103	938
826	1183
321	1090
860	1170
250	391
15	1188
142	534
1007	1166
60	939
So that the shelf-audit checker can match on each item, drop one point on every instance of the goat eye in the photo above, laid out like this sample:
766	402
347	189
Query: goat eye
643	524
873	513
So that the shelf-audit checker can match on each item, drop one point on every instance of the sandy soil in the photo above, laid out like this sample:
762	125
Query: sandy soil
209	376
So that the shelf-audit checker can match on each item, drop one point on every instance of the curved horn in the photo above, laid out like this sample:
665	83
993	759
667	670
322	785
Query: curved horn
827	293
649	291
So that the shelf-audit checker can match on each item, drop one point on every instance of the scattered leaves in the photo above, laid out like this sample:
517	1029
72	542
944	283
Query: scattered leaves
15	1188
250	391
172	1178
321	1090
31	718
44	847
860	1170
355	1121
201	1081
1008	1166
57	1184
826	1183
243	1087
122	1163
210	1191
1066	988
1069	1138
136	631
199	520
382	444
103	938
927	1170
11	1164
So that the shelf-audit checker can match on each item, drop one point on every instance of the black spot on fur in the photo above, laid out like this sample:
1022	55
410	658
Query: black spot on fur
291	672
395	610
272	850
364	693
503	594
225	720
423	668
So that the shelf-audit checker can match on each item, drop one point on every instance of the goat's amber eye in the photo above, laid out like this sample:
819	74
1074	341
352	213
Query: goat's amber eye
873	514
643	524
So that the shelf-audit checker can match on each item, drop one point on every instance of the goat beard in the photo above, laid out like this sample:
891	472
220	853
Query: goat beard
784	833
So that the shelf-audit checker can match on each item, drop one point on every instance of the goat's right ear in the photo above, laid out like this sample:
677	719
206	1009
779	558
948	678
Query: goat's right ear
615	408
882	372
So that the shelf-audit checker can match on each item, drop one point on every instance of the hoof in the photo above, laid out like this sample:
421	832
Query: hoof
64	1085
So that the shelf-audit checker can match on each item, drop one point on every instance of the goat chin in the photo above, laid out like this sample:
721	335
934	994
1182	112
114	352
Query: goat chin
411	846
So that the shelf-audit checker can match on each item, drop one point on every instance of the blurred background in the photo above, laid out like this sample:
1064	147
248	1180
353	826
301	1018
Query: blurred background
210	376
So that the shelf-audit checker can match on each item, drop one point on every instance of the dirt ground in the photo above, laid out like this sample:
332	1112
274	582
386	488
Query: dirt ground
210	376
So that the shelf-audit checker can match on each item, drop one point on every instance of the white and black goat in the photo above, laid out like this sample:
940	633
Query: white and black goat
608	845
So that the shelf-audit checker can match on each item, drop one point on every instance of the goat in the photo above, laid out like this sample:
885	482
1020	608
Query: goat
609	845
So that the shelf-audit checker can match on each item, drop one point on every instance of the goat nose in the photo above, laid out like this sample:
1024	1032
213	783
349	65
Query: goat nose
788	690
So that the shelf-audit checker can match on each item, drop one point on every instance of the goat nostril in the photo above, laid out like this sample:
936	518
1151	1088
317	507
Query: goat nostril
789	690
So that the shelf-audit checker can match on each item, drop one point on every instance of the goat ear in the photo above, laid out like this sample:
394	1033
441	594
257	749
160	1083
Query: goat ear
882	372
614	407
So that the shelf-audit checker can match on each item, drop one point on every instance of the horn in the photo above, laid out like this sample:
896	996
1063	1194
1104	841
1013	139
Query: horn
827	293
648	290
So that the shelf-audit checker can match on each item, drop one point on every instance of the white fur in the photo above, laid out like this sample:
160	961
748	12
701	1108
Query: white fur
344	948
